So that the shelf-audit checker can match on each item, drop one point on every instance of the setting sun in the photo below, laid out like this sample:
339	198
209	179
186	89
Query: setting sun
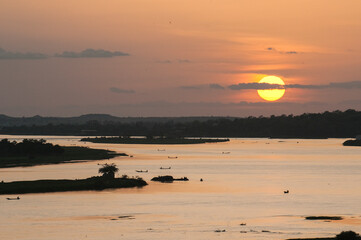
271	94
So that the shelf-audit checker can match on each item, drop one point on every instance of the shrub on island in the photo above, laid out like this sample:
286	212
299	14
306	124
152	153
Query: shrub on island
168	179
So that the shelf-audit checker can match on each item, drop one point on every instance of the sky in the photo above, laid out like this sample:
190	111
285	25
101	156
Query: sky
178	57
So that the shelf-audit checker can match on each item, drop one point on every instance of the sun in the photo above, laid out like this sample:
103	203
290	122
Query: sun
271	94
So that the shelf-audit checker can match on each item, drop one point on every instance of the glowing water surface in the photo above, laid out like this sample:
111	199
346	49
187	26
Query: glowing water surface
244	180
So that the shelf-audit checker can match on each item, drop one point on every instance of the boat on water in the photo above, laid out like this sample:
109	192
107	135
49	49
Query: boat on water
17	198
165	168
141	171
172	157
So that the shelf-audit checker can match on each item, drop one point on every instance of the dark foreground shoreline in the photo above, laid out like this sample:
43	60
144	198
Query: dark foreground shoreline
344	235
159	141
63	185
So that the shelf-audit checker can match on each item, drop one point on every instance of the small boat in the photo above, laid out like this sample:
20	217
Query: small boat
285	192
17	198
141	170
226	152
161	150
172	157
165	168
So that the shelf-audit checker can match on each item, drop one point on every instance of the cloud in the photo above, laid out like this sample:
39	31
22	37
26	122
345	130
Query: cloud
167	61
263	86
340	85
119	90
164	61
215	86
257	86
281	52
347	85
190	87
301	86
18	55
202	86
91	53
290	52
184	61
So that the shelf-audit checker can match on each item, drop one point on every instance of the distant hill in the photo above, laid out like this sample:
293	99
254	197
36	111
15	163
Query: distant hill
336	124
7	121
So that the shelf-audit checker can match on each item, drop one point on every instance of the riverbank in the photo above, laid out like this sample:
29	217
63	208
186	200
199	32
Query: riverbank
352	143
70	154
344	235
158	141
92	183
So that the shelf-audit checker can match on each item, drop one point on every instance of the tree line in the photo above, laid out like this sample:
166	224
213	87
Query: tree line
336	124
28	147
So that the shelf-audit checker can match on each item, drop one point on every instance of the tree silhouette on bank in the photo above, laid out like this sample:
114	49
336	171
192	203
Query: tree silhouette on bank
109	170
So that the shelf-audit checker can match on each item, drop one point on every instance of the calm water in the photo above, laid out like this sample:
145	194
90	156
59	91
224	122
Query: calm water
244	186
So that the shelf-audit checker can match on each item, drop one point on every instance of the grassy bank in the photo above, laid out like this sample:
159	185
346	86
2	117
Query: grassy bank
70	154
93	183
160	141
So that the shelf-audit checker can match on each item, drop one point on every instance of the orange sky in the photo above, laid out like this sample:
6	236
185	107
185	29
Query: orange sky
177	49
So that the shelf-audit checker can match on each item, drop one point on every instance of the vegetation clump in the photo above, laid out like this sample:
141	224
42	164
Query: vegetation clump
323	218
108	170
32	152
168	179
348	235
29	147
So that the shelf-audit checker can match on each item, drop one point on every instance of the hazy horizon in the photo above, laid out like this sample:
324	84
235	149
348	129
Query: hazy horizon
79	113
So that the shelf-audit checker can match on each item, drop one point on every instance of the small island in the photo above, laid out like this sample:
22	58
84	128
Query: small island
32	152
106	181
153	140
352	142
334	218
168	179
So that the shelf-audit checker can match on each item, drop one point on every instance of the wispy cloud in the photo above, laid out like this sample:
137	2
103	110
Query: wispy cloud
195	87
18	55
91	53
257	86
264	86
167	61
119	90
281	52
215	86
184	61
164	61
202	87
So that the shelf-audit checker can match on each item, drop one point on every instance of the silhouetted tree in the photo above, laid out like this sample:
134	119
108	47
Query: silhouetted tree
348	235
108	170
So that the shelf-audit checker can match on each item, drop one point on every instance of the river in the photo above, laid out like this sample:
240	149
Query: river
242	192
